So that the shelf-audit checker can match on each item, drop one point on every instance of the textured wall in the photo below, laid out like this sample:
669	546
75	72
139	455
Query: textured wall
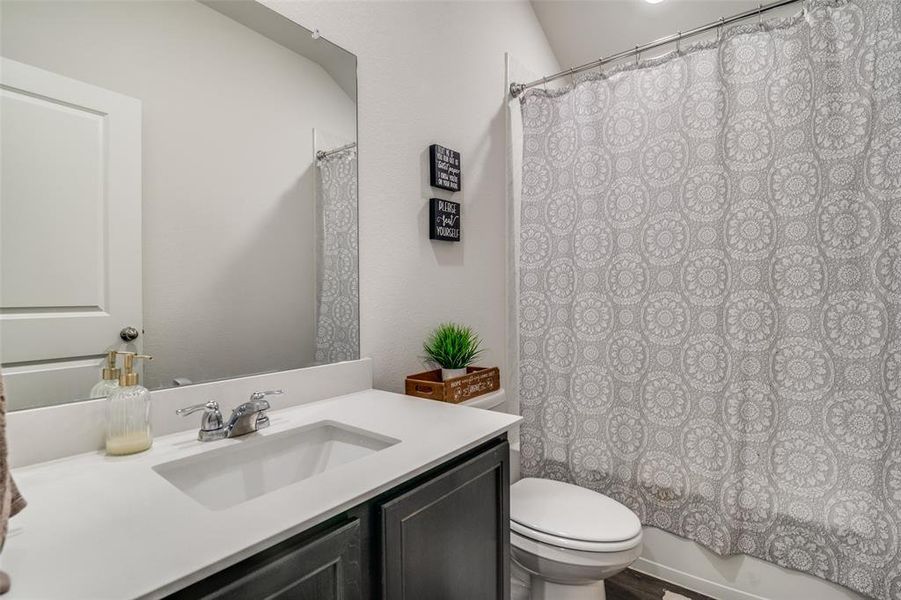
429	72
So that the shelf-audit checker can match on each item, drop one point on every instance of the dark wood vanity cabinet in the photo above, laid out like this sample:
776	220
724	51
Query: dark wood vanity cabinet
443	535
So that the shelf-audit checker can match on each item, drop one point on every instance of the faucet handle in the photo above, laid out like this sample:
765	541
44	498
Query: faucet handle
187	410
261	395
259	404
212	418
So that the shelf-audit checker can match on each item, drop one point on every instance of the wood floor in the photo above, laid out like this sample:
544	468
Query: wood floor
632	585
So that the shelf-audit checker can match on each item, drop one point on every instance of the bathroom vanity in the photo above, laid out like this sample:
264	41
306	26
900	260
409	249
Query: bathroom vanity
446	529
387	496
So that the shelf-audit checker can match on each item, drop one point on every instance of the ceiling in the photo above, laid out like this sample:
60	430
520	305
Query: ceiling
580	31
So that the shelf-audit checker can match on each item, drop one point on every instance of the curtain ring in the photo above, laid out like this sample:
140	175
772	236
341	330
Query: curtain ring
679	44
544	83
637	55
760	15
572	77
719	30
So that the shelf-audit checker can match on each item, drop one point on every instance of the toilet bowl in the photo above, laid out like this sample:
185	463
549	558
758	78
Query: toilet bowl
570	539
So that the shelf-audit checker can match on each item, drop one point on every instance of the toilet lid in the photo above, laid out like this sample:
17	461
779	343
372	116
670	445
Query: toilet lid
572	512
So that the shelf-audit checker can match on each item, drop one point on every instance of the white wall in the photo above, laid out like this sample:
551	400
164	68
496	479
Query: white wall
228	172
429	72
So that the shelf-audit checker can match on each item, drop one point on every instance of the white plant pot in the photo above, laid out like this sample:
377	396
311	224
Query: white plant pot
451	373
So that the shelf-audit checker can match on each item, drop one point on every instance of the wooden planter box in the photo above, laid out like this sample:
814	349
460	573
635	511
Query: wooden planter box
476	382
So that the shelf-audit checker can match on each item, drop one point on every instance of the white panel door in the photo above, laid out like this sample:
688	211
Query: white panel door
70	231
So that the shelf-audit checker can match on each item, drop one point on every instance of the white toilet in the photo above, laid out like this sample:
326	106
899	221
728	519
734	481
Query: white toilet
570	539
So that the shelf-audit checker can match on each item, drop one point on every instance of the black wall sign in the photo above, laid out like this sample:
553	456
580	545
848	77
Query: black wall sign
444	168
444	220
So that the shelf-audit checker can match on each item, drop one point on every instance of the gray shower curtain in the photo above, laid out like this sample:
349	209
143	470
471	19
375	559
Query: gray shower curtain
337	280
710	291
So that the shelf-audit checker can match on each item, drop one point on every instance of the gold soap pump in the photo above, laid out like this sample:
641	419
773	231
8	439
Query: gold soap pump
110	377
128	411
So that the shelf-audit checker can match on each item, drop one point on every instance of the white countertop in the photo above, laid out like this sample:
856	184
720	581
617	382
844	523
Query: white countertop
99	527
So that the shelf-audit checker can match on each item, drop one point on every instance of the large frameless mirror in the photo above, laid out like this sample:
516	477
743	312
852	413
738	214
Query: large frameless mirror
179	179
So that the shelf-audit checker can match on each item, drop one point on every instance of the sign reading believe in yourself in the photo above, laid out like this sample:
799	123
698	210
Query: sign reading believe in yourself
444	168
444	220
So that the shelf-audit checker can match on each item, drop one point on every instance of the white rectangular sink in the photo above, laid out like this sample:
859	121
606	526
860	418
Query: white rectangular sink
258	465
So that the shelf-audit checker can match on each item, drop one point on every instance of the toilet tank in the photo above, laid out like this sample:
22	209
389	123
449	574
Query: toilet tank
498	402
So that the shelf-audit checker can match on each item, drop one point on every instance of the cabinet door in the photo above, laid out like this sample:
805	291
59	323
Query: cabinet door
324	568
448	539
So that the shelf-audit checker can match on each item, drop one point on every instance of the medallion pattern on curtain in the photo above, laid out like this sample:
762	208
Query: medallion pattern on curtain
710	291
337	279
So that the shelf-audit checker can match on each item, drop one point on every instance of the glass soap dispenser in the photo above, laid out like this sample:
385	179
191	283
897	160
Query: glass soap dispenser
110	377
128	412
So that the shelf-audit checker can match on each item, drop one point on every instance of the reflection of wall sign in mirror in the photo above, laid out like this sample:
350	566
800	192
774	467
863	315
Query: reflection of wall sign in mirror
444	220
444	168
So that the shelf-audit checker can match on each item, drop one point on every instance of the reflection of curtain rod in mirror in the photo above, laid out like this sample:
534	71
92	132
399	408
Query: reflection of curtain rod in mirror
323	153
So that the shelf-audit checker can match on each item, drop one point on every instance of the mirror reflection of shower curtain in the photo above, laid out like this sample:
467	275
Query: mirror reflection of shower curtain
337	285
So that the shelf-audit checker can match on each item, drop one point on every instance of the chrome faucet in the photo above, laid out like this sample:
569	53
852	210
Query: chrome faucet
246	418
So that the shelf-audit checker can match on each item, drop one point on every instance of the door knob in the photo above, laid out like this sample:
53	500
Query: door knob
129	334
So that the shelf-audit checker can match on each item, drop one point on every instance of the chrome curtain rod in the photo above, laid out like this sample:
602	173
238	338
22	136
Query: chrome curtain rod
517	88
323	153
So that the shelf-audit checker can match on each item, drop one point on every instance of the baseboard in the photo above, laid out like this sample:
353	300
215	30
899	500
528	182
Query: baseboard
692	582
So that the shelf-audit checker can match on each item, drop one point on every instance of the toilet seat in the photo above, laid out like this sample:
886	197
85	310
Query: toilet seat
568	516
571	544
